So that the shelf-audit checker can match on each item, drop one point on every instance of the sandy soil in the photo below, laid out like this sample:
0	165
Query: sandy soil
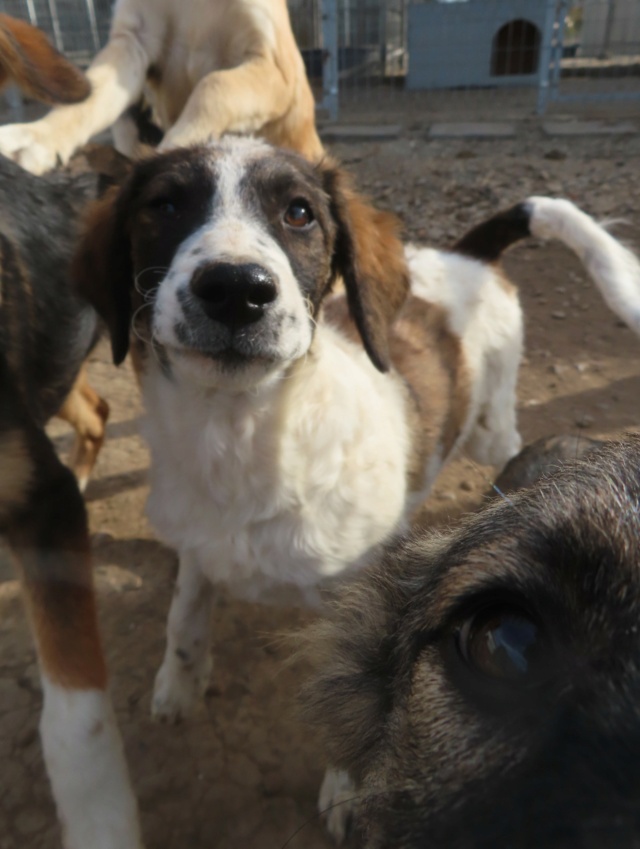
245	772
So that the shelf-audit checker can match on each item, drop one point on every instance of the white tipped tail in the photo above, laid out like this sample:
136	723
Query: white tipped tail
614	269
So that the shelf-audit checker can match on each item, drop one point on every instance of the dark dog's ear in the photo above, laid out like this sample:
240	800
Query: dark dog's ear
370	257
102	268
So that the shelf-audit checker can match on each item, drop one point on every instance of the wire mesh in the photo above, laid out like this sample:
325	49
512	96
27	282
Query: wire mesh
78	28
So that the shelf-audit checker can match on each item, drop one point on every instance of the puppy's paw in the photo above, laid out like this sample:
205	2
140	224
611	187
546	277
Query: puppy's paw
337	804
30	148
178	689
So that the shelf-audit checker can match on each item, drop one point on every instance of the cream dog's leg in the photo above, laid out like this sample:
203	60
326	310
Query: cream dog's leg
117	78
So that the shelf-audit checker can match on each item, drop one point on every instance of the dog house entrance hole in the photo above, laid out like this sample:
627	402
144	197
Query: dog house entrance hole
516	49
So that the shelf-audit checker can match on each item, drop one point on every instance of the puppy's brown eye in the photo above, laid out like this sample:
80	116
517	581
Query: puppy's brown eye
504	643
298	214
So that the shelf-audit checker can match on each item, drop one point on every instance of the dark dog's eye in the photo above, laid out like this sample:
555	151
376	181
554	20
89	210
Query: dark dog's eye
504	643
164	205
298	214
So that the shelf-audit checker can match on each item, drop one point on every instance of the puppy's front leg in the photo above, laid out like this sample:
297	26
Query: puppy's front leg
186	667
48	537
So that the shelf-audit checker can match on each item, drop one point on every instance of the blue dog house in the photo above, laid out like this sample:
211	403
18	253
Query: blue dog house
475	43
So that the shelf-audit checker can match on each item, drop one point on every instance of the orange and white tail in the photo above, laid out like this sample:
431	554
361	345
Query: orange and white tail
28	59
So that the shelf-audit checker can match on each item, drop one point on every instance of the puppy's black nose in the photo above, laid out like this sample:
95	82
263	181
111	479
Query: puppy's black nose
232	294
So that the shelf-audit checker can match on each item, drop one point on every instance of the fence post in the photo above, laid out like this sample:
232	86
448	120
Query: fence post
55	25
546	57
330	57
93	24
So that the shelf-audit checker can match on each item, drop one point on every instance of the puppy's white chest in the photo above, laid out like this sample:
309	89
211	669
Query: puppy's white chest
265	498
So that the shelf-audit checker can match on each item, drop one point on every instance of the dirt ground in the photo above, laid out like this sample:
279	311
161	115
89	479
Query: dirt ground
245	772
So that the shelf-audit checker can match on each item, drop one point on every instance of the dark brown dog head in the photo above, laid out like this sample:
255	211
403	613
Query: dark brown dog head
484	687
223	255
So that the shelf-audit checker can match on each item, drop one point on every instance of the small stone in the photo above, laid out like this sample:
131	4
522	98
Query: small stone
558	314
116	579
101	538
29	822
584	420
555	154
466	486
26	738
446	496
272	782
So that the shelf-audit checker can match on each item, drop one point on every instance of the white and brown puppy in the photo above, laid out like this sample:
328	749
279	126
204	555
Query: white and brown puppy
288	440
484	686
207	67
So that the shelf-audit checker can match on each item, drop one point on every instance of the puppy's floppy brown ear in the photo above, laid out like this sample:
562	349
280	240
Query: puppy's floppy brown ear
102	268
370	257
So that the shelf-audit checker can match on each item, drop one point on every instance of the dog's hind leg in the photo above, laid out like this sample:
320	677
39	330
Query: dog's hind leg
494	437
87	413
43	517
185	670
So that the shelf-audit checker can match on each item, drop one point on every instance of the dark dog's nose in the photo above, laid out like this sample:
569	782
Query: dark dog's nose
234	294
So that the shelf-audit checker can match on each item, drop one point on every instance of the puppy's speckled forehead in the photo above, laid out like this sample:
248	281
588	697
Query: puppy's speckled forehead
236	183
233	171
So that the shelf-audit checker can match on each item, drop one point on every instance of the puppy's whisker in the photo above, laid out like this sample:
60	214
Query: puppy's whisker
134	317
492	484
504	497
136	279
309	306
357	797
146	339
317	816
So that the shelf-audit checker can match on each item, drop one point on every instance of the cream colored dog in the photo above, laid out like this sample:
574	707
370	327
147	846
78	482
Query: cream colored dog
208	67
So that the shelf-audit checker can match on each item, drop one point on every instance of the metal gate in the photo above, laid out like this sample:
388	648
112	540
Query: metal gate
594	53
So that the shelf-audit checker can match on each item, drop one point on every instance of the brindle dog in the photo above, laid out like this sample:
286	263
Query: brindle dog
484	686
46	332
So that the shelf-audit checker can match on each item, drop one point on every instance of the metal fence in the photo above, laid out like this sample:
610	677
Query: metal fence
77	27
473	57
488	58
